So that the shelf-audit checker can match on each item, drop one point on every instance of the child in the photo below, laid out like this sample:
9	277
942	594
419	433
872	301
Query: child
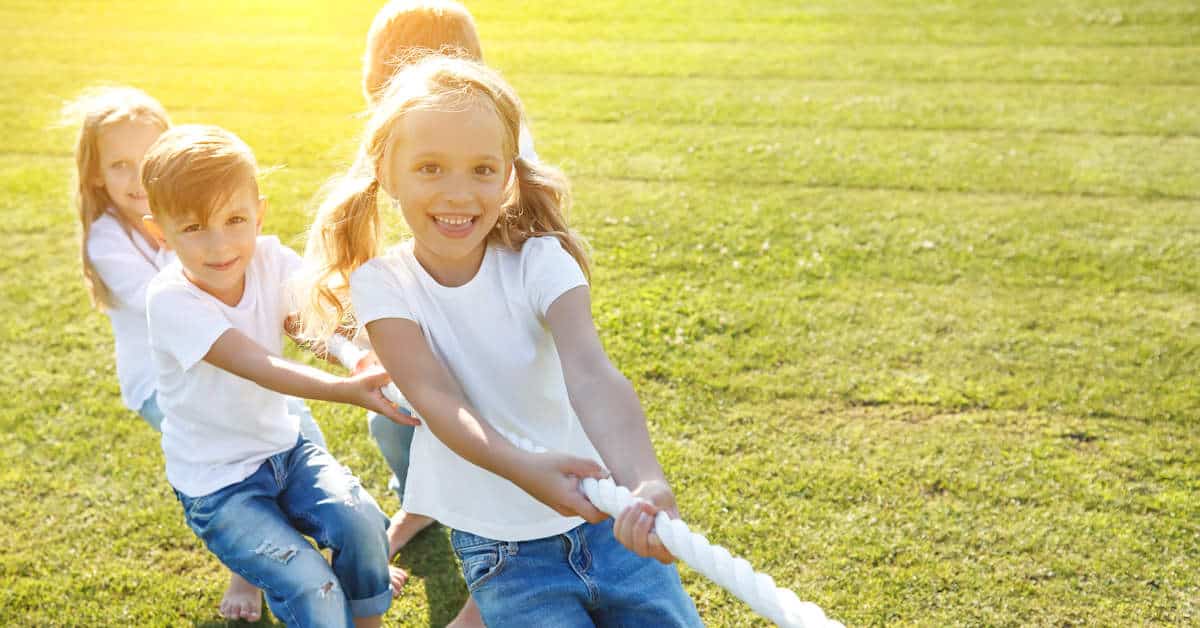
250	483
485	312
116	126
402	32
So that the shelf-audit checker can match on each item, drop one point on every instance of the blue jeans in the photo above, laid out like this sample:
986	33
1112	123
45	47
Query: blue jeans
583	577
255	528
394	441
153	415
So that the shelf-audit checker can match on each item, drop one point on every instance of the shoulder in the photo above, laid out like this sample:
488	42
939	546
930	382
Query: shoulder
106	235
546	246
393	267
170	289
545	253
269	248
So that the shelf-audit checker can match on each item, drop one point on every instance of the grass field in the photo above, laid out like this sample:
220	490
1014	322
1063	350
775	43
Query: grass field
910	291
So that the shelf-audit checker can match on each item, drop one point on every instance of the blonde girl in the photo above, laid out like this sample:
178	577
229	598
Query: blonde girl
483	320
119	256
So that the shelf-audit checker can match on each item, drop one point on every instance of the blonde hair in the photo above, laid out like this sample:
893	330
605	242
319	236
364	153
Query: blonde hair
193	169
346	230
95	110
406	30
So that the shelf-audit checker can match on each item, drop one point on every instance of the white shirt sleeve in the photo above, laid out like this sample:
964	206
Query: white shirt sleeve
121	267
182	325
548	272
376	293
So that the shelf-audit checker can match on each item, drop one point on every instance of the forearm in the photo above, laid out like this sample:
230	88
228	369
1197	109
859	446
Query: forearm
236	353
613	419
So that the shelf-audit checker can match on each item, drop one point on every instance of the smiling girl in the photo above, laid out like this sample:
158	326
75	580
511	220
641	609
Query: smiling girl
483	319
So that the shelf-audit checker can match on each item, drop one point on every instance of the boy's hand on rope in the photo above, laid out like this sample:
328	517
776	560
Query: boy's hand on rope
634	528
365	390
553	479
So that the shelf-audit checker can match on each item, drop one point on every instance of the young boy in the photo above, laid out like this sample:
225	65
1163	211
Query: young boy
249	483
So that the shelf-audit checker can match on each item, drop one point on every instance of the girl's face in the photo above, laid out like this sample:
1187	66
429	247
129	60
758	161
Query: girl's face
448	172
122	146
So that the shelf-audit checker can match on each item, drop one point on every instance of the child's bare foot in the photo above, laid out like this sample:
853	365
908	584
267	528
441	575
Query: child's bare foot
403	528
242	600
468	617
399	577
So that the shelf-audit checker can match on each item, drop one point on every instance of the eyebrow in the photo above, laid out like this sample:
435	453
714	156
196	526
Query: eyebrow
435	154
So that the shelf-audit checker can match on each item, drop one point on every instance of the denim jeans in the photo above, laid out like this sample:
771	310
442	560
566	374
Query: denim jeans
583	577
255	527
394	441
153	415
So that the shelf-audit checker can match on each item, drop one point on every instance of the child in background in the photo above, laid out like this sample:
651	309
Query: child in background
485	312
116	126
250	483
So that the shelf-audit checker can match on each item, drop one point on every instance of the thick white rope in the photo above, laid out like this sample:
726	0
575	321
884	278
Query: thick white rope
735	575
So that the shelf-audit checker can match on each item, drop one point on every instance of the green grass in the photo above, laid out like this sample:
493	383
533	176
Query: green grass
910	291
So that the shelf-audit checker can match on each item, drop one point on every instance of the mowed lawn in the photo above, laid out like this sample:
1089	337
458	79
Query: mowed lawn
910	291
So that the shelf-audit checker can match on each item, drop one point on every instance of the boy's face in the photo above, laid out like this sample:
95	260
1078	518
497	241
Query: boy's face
215	254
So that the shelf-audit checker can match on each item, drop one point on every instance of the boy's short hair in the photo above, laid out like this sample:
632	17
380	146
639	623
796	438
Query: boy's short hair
193	169
405	30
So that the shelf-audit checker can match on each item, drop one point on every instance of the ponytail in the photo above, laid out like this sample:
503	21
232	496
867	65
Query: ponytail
344	235
537	207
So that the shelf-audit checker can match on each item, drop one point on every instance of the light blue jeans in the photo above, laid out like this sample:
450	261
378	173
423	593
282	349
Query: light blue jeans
581	578
153	415
255	527
394	441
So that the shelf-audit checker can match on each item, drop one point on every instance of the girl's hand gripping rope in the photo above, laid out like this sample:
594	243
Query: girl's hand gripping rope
554	479
634	526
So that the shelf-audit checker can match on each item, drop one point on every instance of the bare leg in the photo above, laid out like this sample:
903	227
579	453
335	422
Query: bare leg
242	600
368	622
468	617
403	528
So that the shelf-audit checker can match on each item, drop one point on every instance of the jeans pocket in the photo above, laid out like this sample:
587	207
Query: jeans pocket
481	563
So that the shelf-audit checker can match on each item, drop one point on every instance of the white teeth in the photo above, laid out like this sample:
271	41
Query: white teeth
446	220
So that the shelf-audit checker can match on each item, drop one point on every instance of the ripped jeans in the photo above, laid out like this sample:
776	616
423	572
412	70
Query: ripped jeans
255	527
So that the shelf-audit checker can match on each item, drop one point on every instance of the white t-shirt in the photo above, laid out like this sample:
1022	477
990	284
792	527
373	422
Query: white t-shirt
126	263
219	428
492	336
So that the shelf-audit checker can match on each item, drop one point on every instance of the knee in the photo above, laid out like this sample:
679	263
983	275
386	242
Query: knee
356	523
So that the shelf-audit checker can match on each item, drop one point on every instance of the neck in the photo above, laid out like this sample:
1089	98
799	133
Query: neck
450	272
230	296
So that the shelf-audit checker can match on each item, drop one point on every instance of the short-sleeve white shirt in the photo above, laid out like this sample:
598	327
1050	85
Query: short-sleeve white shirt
218	427
126	263
491	334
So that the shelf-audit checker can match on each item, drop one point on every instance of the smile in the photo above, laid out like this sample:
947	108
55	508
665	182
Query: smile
454	226
223	265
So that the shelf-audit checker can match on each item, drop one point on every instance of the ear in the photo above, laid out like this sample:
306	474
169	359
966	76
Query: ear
263	206
155	230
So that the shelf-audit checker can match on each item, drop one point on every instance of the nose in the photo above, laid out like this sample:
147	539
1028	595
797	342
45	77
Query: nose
137	181
457	191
